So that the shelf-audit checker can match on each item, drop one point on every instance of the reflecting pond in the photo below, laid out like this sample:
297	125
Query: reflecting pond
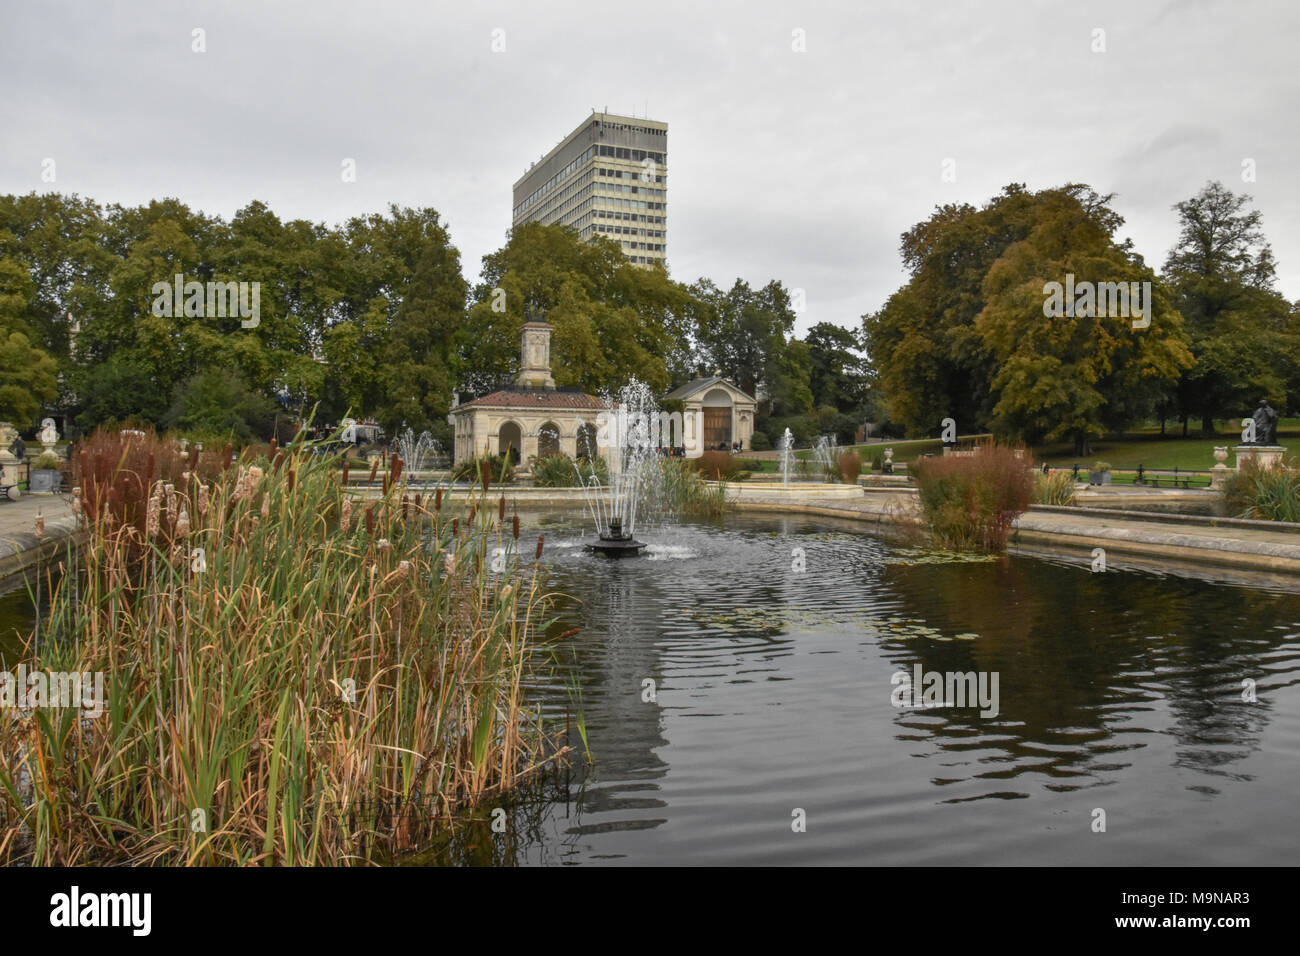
774	693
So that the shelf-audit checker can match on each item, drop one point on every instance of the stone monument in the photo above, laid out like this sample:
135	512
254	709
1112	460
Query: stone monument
1259	438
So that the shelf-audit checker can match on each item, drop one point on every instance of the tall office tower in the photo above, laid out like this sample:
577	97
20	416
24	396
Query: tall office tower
609	177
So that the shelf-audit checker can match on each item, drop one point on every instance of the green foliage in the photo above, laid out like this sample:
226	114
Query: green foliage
612	320
1100	466
220	401
969	502
1244	335
1267	494
967	337
561	471
48	460
498	469
28	375
682	489
760	442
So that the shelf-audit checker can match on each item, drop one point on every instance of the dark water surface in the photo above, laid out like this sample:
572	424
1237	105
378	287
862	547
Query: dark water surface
1119	691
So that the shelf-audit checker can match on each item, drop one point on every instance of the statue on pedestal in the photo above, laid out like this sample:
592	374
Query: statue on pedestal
1265	419
48	436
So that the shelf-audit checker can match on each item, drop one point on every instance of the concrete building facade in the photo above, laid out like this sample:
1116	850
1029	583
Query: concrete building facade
609	177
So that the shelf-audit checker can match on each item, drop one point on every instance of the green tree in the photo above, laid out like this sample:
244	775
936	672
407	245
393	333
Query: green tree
28	375
1240	328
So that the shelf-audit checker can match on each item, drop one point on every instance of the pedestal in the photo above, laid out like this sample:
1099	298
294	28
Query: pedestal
1265	456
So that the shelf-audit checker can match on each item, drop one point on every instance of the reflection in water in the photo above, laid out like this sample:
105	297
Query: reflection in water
1121	691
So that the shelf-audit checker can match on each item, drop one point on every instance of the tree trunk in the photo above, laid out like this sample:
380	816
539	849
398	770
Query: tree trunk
1207	425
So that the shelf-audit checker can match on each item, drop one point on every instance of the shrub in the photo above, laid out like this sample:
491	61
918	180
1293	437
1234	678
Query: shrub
682	489
1099	467
760	442
969	502
717	465
561	471
878	461
1054	489
48	460
1267	494
498	468
850	464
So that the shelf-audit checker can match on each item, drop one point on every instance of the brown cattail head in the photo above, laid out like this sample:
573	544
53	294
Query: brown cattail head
275	443
194	458
370	521
289	476
395	469
278	458
455	527
406	501
437	501
486	472
347	466
515	527
228	457
418	498
374	469
473	512
501	509
541	539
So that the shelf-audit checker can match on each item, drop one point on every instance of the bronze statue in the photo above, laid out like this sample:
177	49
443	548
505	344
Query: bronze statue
1265	418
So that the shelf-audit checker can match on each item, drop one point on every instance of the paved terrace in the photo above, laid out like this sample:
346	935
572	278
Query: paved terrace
20	549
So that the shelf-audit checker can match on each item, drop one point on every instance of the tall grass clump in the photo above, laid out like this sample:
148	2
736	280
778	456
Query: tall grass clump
293	676
717	465
969	502
1267	494
848	465
682	489
561	471
1056	488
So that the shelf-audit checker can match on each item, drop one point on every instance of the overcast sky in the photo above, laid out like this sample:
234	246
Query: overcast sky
799	166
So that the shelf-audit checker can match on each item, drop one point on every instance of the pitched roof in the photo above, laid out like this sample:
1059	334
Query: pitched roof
533	398
699	384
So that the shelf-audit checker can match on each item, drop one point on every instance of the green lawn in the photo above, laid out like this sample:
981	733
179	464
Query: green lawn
1147	448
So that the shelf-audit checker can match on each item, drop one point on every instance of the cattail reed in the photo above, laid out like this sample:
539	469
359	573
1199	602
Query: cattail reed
374	470
347	466
541	539
370	522
514	527
395	468
437	501
345	519
501	509
406	501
